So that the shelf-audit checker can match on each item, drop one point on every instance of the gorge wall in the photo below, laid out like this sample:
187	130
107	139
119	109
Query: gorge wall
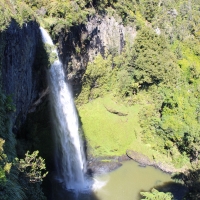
23	72
21	77
80	44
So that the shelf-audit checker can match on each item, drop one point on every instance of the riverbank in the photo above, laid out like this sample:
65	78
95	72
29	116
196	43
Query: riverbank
145	161
105	164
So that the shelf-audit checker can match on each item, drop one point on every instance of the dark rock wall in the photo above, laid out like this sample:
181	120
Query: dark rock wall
80	44
21	73
20	76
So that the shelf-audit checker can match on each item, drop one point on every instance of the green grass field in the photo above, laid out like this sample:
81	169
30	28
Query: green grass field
108	133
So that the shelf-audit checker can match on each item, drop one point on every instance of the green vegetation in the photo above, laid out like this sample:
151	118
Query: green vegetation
17	10
108	133
156	195
53	15
49	54
97	79
16	176
32	166
155	82
177	19
160	74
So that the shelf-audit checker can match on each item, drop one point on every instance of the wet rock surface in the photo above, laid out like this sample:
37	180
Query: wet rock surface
21	78
105	164
82	43
144	161
101	165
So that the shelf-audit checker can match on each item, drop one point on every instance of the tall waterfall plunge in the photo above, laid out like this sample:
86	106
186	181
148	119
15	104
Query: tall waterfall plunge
70	158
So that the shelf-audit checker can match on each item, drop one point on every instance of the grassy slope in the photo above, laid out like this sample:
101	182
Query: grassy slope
108	134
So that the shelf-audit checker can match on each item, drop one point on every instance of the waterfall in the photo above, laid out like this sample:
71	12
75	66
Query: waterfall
69	154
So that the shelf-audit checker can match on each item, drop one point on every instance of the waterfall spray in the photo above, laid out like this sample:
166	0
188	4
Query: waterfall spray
69	154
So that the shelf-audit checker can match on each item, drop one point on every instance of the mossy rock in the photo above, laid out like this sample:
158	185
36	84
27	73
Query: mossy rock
138	157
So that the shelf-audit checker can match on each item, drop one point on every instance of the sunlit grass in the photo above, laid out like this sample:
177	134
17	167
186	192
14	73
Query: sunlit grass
108	133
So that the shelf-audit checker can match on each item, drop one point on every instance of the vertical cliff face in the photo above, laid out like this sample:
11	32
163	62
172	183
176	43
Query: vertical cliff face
82	43
20	76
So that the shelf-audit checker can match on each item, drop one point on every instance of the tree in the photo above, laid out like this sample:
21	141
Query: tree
156	195
33	171
32	166
153	61
150	8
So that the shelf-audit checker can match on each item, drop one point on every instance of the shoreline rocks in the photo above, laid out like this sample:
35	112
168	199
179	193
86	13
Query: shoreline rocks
106	164
145	161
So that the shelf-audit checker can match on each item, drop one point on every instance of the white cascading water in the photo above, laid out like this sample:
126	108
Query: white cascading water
70	158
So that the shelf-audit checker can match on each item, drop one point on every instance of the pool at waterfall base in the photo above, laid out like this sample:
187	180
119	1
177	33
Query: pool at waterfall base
124	183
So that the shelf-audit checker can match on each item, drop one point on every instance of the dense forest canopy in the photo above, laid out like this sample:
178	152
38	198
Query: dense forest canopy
160	70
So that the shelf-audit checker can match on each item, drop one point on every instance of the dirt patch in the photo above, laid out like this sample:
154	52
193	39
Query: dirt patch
115	111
